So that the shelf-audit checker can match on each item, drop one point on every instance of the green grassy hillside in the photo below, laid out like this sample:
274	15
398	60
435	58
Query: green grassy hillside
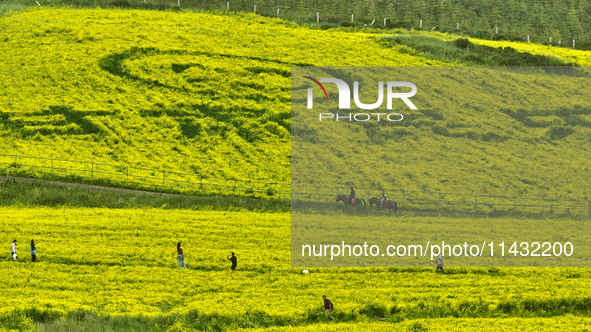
495	132
209	94
198	93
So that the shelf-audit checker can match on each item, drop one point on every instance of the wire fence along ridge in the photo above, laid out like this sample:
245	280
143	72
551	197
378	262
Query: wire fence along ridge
143	176
39	166
564	35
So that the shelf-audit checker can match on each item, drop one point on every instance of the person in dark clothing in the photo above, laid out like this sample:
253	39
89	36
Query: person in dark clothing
328	307
234	261
352	196
33	251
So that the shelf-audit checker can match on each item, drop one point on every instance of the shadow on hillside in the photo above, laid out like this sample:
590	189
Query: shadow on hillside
113	63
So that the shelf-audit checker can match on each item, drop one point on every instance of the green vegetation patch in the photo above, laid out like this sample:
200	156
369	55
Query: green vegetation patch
463	51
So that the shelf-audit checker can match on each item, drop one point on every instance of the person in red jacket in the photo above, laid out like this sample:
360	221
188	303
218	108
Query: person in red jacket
328	307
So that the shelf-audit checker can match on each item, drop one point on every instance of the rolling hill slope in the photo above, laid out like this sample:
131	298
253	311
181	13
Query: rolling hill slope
210	94
184	92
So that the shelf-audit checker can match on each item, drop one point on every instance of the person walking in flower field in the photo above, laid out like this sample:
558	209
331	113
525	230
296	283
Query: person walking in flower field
13	250
234	261
439	262
180	255
328	307
33	251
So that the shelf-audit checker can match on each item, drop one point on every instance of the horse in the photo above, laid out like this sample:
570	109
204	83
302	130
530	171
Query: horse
347	201
388	204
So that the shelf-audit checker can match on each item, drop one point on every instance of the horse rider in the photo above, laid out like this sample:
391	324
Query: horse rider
383	199
352	196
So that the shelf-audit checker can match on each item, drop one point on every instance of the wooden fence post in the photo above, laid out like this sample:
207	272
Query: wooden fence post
228	6
317	18
515	204
163	176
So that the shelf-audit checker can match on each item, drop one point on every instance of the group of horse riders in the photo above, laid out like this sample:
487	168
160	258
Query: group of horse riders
352	197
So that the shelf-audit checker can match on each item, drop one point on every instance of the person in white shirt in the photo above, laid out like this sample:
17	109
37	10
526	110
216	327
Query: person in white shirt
383	199
13	250
439	263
